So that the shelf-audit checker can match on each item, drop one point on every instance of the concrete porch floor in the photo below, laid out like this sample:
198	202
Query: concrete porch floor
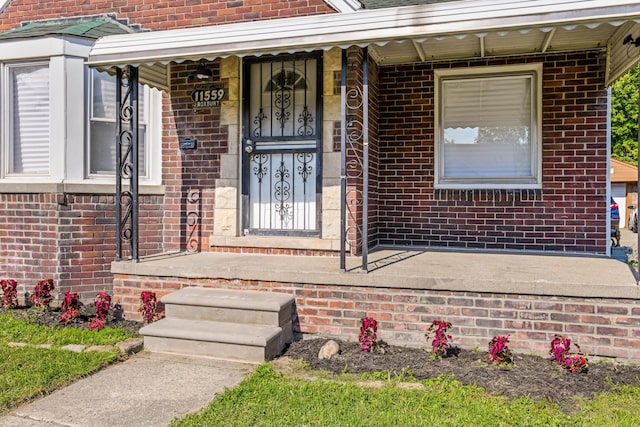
528	274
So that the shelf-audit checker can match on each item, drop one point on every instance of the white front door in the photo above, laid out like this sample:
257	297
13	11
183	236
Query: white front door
282	146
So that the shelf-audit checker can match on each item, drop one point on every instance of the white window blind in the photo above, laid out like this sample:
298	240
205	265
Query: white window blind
487	128
30	116
487	102
102	126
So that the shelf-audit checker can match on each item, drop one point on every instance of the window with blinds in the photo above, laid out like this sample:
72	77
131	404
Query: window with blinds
102	126
30	108
488	127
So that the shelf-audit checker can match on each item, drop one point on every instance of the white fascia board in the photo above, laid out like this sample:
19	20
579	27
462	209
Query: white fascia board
20	49
358	28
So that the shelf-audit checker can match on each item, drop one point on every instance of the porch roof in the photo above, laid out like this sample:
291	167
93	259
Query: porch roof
427	32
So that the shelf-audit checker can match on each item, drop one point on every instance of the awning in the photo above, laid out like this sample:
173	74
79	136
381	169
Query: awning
430	32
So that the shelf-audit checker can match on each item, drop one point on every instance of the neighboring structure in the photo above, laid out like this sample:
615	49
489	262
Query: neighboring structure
306	128
624	187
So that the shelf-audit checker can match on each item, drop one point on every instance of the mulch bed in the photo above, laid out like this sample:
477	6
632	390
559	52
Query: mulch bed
536	377
51	318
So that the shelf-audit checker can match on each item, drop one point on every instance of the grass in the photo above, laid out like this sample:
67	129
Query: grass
29	372
268	398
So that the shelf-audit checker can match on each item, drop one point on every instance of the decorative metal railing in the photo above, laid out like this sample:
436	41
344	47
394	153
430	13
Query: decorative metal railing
194	202
355	160
127	162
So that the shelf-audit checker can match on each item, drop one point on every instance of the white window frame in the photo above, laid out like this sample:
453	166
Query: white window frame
151	116
63	57
66	57
529	71
9	146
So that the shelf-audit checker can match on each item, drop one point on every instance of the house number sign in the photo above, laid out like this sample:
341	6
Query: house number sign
208	96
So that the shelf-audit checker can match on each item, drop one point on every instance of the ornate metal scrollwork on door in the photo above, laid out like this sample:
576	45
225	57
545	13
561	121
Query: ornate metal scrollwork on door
260	169
258	120
306	118
282	193
282	160
305	168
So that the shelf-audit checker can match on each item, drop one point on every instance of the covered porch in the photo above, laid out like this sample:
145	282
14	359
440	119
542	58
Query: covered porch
386	263
356	207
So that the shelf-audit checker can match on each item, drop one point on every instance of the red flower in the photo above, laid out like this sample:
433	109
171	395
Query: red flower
368	334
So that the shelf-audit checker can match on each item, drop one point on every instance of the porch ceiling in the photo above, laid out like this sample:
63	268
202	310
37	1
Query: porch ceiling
463	29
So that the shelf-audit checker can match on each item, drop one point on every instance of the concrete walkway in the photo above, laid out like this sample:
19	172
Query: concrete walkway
150	389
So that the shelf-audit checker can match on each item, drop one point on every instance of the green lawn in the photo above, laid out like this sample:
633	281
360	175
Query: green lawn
268	398
28	372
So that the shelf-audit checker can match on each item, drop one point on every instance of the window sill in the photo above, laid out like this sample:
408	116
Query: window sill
479	184
8	187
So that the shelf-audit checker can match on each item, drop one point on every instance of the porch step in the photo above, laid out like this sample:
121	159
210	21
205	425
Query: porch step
254	343
225	305
238	325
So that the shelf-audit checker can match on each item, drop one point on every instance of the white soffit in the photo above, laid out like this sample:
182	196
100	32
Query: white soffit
475	27
622	57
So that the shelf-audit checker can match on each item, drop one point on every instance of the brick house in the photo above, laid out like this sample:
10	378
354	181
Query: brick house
316	129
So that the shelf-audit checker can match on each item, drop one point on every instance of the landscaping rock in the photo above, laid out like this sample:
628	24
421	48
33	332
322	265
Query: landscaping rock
103	348
76	348
328	350
130	346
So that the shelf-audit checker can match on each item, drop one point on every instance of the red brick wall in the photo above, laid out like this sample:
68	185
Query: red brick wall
189	175
161	14
28	238
568	214
68	238
602	327
87	240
